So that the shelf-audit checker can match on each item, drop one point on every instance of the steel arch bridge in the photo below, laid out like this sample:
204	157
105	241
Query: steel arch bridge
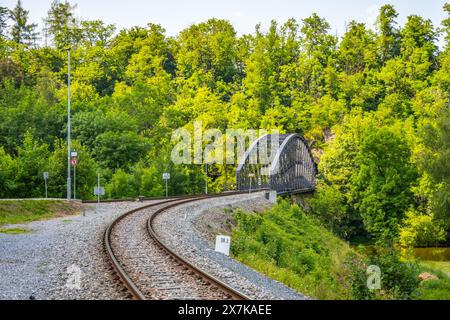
291	168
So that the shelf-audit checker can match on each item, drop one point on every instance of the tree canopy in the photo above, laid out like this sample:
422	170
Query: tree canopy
372	104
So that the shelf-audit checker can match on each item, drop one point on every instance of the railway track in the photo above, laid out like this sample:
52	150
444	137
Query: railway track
148	268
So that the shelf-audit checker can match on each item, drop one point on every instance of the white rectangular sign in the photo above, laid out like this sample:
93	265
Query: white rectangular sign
223	244
166	176
102	191
45	175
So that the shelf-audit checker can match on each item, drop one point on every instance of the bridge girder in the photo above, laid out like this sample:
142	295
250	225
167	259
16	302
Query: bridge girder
291	168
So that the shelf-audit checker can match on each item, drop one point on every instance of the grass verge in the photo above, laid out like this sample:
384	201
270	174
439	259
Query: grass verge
289	246
438	289
23	211
14	230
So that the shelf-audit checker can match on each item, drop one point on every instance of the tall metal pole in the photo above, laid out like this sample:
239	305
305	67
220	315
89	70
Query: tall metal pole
206	177
98	185
74	181
45	188
68	125
167	193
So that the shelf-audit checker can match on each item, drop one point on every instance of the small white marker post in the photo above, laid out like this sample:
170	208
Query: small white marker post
250	175
98	191
223	244
45	179
166	177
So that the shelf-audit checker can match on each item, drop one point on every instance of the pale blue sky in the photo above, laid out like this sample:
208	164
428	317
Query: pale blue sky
175	15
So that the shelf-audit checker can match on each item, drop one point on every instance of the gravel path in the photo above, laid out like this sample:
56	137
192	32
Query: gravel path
180	228
48	262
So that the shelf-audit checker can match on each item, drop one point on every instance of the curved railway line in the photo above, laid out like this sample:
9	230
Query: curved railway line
148	268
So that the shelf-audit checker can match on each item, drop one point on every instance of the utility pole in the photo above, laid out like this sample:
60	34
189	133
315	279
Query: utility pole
74	182
74	161
167	192
206	177
166	177
68	125
45	180
98	185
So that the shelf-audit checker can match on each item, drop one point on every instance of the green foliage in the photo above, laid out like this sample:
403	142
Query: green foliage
436	164
435	289
372	104
421	230
4	13
328	205
86	171
383	183
7	183
121	185
21	31
388	41
292	247
61	24
369	163
399	279
29	165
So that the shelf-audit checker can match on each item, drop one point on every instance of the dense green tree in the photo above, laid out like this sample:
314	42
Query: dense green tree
86	171
62	25
357	48
372	105
88	125
30	163
389	37
7	171
114	149
21	31
317	41
421	230
4	16
383	183
122	185
446	24
436	162
96	32
208	49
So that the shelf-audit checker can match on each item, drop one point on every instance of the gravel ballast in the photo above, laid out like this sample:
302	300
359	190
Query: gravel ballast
182	228
63	258
47	262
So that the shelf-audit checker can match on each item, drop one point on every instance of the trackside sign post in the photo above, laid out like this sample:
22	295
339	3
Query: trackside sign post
166	177
45	179
99	191
223	244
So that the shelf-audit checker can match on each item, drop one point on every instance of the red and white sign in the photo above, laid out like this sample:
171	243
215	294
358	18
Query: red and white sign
73	162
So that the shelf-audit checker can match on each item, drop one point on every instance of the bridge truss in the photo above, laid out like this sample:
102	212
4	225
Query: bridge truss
291	168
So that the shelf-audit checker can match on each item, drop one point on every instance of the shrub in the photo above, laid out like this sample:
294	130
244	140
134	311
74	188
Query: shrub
399	279
421	230
122	185
292	247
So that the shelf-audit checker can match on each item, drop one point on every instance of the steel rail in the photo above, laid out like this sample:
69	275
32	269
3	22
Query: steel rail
235	294
119	268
